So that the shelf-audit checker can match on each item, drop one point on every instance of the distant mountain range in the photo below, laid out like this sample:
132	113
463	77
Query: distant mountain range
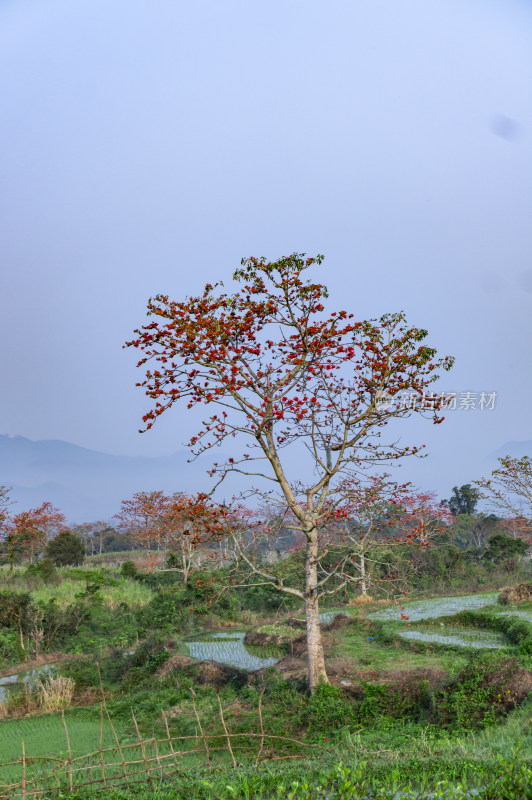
514	449
85	484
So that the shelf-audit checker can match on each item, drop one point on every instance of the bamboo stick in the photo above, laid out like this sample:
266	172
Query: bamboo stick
199	725
69	750
102	761
142	748
23	771
170	739
226	731
261	728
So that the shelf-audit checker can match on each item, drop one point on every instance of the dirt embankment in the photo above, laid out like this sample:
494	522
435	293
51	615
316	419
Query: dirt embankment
48	658
510	595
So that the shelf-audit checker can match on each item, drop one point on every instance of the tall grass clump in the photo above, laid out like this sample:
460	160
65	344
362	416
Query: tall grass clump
56	692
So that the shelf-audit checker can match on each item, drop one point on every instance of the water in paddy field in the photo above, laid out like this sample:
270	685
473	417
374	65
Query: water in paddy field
11	684
468	637
522	613
416	610
228	648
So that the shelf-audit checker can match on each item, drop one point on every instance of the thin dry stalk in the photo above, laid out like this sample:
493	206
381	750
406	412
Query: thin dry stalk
199	725
23	771
170	739
161	774
102	760
226	731
69	750
261	728
124	762
143	751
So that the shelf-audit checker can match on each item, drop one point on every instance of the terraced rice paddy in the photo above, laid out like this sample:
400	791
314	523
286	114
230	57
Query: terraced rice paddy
523	613
228	648
14	683
432	608
460	637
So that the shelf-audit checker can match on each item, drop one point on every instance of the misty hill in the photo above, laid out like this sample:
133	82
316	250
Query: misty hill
86	484
514	449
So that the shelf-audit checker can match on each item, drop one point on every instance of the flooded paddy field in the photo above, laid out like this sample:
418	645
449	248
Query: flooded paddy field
228	648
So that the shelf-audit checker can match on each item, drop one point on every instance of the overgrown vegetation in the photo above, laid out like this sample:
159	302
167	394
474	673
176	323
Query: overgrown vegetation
456	709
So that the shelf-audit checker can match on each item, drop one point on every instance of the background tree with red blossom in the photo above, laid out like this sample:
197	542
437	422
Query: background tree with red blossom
175	525
373	517
142	516
190	523
29	531
280	374
509	489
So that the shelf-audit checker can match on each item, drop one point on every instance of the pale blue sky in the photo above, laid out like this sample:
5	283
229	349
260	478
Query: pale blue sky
147	147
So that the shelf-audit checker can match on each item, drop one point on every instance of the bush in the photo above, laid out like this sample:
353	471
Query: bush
9	645
83	673
328	711
503	548
486	689
129	569
46	570
66	549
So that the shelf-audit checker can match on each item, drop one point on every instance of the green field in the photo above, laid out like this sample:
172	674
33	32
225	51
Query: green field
418	696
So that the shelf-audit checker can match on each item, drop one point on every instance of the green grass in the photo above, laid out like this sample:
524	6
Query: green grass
279	629
385	748
332	778
373	656
114	590
132	594
44	735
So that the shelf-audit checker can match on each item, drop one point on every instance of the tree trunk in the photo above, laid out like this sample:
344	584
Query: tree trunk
363	582
316	659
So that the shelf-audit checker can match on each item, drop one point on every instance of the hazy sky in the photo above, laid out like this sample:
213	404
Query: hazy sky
148	146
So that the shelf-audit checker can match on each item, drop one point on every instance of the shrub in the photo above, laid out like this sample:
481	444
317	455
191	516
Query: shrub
487	688
328	711
46	570
129	569
66	549
83	673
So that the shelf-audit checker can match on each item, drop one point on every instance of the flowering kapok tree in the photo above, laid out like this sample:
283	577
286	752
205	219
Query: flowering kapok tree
374	516
142	516
358	529
178	523
29	531
279	372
